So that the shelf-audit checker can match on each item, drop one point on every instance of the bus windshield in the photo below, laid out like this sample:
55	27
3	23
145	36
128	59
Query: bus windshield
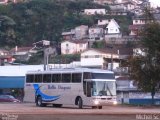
104	88
102	76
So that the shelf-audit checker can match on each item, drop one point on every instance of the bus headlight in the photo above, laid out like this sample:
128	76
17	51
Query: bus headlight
115	103
96	102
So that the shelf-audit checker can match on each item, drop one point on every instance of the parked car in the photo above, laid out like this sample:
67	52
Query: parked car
8	98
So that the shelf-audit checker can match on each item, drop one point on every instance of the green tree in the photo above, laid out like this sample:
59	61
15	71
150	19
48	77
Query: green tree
7	32
100	44
145	68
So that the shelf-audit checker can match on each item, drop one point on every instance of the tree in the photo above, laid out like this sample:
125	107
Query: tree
145	68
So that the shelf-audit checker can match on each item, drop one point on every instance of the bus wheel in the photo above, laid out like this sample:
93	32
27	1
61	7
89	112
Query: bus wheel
80	103
99	107
39	102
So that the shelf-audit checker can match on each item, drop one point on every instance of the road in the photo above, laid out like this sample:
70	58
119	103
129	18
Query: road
28	111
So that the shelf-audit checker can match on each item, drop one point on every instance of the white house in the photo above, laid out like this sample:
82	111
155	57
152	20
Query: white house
6	1
73	46
103	2
94	11
97	57
103	22
113	27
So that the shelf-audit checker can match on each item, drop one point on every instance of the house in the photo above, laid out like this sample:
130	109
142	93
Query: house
6	1
128	93
113	27
73	46
107	58
94	11
125	87
112	30
68	35
103	2
5	57
103	22
130	6
136	27
22	53
81	32
96	33
97	58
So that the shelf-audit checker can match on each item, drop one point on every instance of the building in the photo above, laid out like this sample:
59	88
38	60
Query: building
22	53
103	22
81	32
97	58
96	33
73	46
7	1
137	26
5	57
112	30
68	35
128	93
103	2
112	27
94	11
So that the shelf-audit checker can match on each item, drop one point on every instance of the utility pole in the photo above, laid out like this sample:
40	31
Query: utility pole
44	45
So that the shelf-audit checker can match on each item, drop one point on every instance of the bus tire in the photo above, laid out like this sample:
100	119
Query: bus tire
80	103
39	102
99	107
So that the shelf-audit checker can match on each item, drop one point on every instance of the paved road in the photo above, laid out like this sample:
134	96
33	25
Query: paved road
28	111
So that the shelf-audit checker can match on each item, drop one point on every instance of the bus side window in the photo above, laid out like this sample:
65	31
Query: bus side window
66	78
56	78
76	77
29	78
38	78
46	78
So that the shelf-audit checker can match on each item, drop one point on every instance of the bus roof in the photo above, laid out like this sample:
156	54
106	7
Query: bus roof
68	70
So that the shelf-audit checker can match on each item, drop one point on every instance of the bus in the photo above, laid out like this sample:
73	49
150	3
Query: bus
71	86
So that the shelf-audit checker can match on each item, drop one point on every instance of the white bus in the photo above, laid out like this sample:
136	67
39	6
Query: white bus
74	86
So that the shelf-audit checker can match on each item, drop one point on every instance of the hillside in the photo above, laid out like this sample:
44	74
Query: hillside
27	22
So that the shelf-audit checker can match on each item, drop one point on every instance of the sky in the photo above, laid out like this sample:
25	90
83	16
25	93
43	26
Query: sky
155	2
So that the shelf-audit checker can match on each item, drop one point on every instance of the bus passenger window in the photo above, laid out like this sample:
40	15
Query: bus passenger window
56	78
38	78
29	78
86	75
66	78
76	77
47	78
